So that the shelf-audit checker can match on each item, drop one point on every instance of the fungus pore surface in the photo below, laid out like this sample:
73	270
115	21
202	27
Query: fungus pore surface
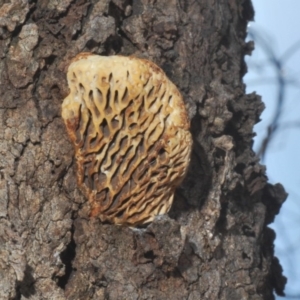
130	130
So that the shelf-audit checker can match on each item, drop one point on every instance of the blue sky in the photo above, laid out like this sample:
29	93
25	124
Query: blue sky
279	22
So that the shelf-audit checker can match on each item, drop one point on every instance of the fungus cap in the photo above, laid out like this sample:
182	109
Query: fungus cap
129	127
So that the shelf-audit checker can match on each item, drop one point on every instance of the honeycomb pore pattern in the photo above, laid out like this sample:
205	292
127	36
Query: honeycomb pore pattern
129	127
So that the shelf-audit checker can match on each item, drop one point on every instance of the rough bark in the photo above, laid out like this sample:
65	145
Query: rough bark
215	243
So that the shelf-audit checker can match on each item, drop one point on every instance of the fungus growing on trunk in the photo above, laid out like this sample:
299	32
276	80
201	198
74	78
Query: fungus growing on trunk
130	130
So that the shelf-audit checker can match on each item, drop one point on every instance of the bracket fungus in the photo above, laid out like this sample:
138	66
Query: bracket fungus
130	130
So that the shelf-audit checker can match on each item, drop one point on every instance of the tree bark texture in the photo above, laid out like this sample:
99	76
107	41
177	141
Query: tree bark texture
214	243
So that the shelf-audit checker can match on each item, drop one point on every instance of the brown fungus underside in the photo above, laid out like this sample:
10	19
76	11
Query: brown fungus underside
129	127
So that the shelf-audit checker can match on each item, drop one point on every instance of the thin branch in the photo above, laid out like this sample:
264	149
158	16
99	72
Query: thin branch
290	51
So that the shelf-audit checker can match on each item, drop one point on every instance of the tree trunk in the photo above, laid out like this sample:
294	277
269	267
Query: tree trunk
214	243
